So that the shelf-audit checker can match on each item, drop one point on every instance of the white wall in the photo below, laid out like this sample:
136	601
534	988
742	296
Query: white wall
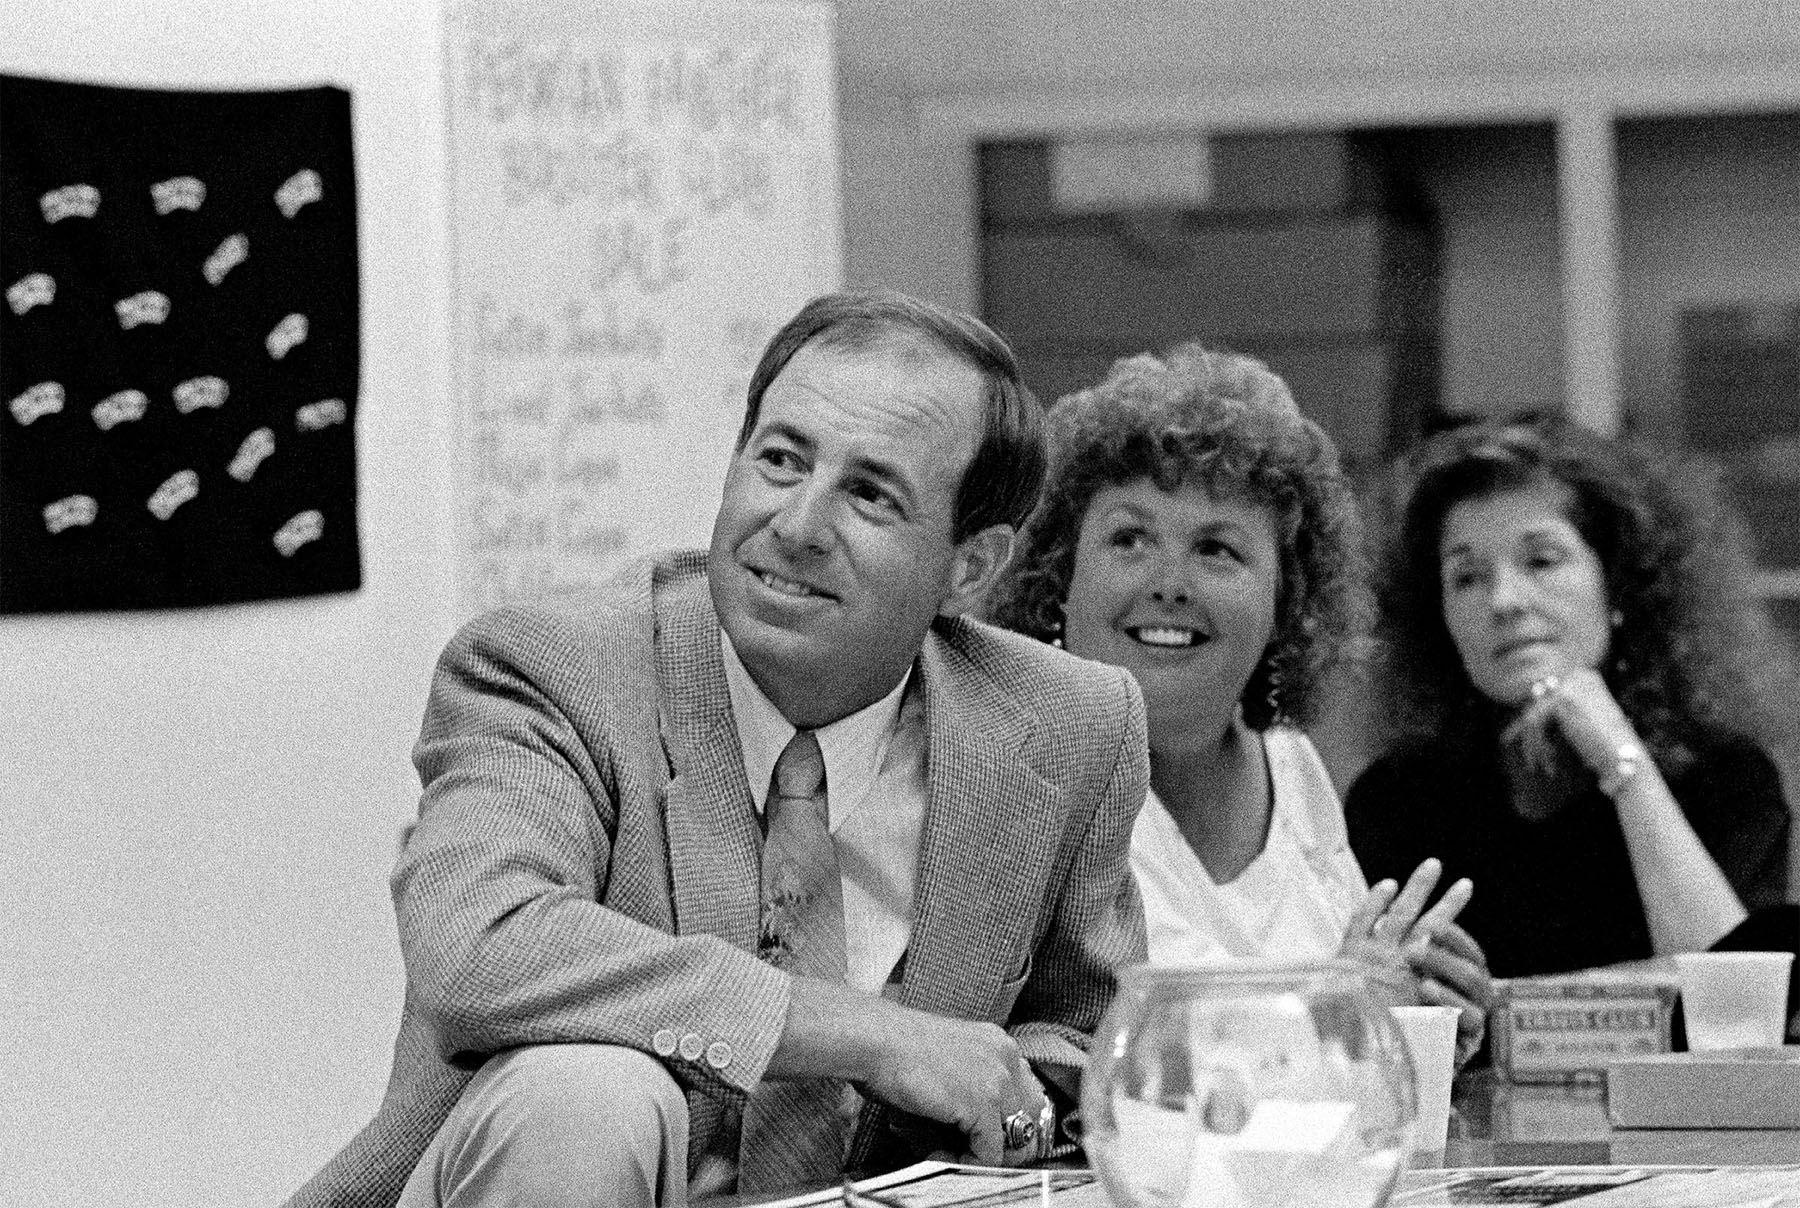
912	199
198	975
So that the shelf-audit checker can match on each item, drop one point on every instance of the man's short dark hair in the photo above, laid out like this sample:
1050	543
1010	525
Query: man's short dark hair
1001	483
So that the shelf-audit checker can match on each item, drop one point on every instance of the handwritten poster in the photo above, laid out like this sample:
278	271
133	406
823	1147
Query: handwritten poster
641	194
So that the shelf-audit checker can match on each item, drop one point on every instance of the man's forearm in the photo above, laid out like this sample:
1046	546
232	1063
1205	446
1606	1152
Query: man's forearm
832	1031
969	1075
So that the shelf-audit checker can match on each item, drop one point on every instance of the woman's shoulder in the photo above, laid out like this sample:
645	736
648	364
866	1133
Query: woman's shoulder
1292	747
1723	762
1414	799
1721	744
1409	760
1302	784
1307	805
1402	795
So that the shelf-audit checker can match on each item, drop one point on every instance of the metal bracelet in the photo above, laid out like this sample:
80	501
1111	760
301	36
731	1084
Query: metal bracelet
1628	760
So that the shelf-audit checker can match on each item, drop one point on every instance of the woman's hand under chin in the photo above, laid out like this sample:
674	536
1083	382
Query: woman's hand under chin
1579	705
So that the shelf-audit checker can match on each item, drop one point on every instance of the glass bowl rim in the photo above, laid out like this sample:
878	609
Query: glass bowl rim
1243	973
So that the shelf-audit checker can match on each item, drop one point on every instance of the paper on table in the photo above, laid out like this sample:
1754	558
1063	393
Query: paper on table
1155	1144
1703	1189
947	1184
1296	1154
1601	1187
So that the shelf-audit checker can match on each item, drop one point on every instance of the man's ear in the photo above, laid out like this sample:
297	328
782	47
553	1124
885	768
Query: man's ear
979	559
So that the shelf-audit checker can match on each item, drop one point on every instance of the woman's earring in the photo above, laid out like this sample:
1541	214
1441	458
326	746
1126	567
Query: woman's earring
1056	631
1273	699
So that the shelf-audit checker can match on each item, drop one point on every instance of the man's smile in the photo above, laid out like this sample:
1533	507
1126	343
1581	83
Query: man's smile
786	587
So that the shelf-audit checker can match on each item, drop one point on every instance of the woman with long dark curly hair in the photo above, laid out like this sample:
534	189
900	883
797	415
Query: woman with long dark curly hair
1584	686
1198	531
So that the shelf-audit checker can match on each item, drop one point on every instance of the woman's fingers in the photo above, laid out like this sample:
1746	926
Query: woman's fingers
1579	705
1434	993
1397	921
1443	912
1471	1020
1469	981
1529	724
1452	937
1590	719
1552	698
1390	974
1371	908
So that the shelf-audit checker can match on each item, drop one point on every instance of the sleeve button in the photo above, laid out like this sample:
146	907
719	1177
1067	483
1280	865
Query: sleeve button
692	1046
718	1054
663	1043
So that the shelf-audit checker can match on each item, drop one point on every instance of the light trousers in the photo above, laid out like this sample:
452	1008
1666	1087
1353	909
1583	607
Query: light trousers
560	1126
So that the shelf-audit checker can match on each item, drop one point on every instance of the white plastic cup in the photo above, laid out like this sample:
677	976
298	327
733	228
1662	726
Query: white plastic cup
1734	1000
1430	1034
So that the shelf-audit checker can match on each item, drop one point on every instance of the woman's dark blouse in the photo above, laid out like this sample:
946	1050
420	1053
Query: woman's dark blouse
1558	893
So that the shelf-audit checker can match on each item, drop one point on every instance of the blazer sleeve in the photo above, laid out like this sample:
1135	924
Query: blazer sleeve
499	887
1097	922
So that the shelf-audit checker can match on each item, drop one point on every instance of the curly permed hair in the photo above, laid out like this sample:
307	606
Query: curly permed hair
1692	649
1227	423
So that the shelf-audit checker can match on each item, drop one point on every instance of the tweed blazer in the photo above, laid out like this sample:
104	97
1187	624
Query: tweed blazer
586	862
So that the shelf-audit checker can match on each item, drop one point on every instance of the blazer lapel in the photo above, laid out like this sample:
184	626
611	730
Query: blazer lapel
973	930
714	842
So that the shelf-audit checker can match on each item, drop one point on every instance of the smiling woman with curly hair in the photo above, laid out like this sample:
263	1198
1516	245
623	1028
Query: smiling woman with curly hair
1227	424
1198	531
1584	687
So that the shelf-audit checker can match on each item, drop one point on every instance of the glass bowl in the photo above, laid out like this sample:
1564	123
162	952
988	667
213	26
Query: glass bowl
1252	1085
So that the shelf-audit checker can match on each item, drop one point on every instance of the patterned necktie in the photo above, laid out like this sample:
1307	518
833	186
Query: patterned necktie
795	1132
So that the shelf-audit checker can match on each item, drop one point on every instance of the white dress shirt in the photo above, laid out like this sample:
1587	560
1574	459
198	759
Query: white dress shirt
875	794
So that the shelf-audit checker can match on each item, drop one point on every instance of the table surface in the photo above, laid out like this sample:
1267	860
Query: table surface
1496	1123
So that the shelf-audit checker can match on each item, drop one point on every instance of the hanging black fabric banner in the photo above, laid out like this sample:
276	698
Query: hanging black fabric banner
178	346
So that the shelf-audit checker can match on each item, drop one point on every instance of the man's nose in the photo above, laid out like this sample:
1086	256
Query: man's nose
804	519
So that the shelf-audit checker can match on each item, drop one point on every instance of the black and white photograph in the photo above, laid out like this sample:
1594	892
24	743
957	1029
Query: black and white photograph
769	603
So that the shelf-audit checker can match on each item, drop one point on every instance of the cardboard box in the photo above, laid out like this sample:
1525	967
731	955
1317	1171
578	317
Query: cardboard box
1571	1028
1726	1088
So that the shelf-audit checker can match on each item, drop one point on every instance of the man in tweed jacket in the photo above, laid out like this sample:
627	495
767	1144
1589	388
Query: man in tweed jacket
578	903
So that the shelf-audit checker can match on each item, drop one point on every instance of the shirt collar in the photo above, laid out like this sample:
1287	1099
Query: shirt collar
854	746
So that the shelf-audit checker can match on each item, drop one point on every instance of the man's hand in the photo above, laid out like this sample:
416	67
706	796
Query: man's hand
970	1076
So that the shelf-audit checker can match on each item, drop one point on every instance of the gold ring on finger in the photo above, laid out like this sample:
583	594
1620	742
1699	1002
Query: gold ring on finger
1020	1131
